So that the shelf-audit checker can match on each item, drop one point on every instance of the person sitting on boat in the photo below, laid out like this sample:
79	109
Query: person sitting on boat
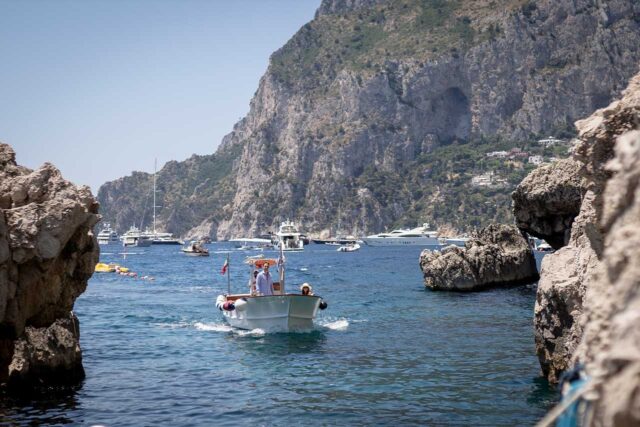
252	283
264	281
306	289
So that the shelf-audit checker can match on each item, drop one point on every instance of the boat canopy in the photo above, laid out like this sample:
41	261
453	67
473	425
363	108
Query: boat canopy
259	263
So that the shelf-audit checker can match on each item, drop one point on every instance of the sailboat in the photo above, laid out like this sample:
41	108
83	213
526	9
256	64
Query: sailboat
157	237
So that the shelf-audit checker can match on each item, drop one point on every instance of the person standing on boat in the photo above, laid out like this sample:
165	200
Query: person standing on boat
264	281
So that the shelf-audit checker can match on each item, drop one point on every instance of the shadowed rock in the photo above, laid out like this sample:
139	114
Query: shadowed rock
591	282
47	254
496	255
547	201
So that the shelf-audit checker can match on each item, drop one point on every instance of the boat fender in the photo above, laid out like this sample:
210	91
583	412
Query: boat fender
323	305
241	304
220	301
228	306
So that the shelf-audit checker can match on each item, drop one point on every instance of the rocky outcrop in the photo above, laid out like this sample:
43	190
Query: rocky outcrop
496	255
46	356
47	254
352	107
577	297
611	343
547	201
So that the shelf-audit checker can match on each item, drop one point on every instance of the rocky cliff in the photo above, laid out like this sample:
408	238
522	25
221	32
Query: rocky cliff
47	254
587	303
353	114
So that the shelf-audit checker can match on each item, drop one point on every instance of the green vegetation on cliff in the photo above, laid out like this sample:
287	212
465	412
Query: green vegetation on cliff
364	39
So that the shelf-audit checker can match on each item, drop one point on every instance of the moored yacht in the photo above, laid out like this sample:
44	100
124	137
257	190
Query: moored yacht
419	236
107	235
133	237
289	236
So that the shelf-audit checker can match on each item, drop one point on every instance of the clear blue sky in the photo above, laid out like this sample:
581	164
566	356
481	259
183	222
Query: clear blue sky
101	87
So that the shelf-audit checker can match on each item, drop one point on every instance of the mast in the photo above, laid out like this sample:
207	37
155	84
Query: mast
155	167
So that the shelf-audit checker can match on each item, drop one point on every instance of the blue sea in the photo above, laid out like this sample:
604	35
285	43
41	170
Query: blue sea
385	352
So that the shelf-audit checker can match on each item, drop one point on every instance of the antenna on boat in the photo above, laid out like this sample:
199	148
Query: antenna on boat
281	268
228	277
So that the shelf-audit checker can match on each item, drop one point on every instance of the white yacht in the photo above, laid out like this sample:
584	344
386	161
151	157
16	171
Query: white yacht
419	236
289	235
107	235
133	237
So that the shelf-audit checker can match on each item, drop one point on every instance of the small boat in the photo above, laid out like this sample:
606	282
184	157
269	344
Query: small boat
544	247
107	235
248	244
280	312
195	249
457	241
349	248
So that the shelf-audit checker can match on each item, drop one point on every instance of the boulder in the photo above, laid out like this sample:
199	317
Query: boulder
46	356
547	201
47	254
496	255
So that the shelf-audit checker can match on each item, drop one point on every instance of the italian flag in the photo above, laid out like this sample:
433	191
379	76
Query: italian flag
225	266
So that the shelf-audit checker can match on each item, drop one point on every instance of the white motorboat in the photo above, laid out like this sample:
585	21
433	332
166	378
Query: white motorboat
419	236
195	249
107	235
248	244
288	237
280	312
161	238
133	237
349	248
457	241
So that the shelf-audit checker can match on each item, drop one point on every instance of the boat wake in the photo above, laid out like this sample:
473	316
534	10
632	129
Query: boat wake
336	325
223	327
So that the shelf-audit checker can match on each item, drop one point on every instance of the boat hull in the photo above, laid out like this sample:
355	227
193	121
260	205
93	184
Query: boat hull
278	313
401	241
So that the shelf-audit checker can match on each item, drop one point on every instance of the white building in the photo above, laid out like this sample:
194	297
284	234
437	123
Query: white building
549	141
498	154
536	160
482	180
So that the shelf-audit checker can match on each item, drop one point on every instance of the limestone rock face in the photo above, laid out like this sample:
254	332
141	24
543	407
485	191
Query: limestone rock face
47	252
496	255
572	305
610	347
547	201
369	88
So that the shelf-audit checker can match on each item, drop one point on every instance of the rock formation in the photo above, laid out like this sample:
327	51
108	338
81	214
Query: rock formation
547	201
350	111
496	255
610	345
47	254
571	278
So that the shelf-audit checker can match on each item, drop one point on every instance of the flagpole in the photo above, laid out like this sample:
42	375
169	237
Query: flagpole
228	276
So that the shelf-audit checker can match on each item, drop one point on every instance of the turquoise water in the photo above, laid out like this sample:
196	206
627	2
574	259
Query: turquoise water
385	352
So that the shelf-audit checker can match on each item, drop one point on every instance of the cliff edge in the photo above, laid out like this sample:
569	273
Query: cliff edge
47	254
588	304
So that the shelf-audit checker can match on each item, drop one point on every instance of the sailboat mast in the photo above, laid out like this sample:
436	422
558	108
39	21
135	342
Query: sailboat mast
155	168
